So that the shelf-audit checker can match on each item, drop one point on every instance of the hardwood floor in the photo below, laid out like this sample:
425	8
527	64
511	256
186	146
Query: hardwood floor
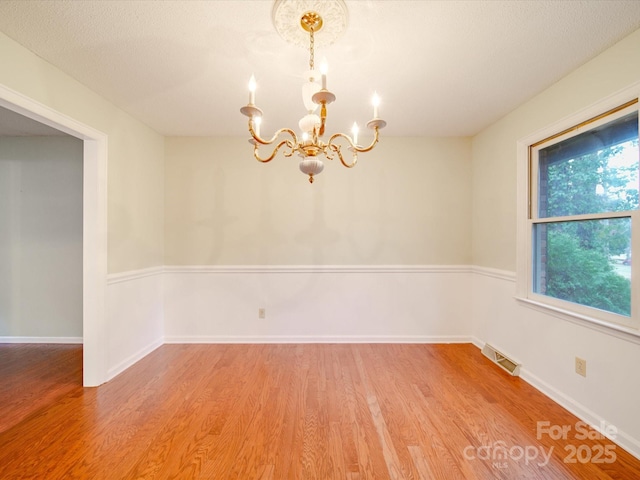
34	376
354	412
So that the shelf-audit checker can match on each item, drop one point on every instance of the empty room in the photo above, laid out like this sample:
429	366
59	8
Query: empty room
319	239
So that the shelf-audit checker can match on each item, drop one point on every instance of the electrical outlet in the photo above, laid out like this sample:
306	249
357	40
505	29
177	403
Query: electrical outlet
262	313
581	366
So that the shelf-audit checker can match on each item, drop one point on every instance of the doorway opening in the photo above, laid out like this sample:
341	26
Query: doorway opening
94	230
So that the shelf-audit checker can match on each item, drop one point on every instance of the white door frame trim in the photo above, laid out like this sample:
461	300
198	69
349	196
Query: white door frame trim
94	242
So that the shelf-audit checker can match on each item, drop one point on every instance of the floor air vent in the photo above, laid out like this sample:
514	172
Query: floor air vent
501	360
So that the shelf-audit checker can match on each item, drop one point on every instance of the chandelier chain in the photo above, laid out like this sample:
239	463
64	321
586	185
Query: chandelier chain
311	48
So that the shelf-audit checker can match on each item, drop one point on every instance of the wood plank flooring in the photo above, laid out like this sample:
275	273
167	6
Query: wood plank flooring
353	412
34	376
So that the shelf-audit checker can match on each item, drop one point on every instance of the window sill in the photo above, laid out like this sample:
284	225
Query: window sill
619	331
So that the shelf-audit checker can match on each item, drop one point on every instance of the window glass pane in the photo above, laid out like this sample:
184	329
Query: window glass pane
594	172
586	262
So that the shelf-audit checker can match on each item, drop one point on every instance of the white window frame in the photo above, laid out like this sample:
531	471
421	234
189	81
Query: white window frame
619	325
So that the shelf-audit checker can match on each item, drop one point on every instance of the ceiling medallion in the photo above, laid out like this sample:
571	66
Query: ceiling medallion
311	21
287	14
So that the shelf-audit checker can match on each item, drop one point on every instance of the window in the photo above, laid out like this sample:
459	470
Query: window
582	218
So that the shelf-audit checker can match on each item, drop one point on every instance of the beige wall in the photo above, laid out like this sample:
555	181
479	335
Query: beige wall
41	236
494	150
135	157
407	202
546	345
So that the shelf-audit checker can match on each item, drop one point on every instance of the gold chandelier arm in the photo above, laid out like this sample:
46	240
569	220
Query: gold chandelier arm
262	141
257	141
288	143
354	147
373	142
336	149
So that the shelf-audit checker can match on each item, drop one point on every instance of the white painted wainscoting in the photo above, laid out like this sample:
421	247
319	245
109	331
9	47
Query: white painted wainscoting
317	304
546	346
135	317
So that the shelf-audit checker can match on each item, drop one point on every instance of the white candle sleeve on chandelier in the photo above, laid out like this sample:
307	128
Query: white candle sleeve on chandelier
252	90
324	68
376	103
354	131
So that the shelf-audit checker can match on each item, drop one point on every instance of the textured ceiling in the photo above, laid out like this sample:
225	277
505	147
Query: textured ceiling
441	67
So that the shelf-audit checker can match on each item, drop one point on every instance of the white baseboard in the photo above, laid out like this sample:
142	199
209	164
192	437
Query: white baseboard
318	339
139	355
622	439
477	342
61	340
547	346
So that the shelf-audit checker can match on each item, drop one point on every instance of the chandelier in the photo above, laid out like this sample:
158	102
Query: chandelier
310	145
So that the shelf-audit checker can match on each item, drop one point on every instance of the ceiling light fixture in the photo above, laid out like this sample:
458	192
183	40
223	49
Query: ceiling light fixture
294	20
